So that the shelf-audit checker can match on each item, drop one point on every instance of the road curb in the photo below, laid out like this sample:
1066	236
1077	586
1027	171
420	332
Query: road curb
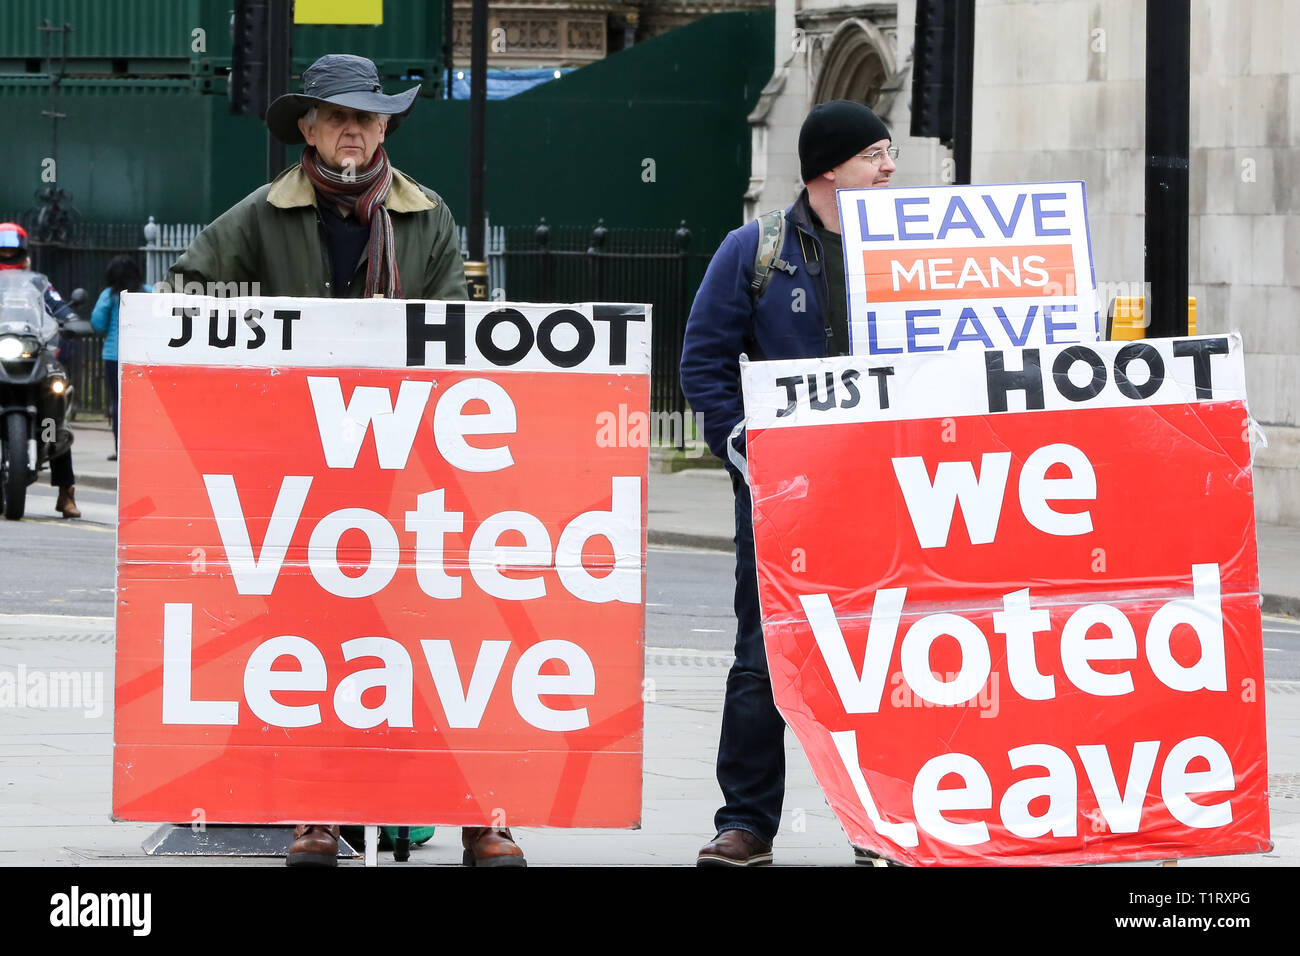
683	539
104	482
1284	605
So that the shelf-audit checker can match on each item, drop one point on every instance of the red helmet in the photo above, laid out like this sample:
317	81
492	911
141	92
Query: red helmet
13	246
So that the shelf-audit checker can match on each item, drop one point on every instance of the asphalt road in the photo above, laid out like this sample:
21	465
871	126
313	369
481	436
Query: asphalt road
57	566
52	565
61	567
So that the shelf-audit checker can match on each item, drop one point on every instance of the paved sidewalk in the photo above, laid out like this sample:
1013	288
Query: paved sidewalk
57	774
92	443
56	764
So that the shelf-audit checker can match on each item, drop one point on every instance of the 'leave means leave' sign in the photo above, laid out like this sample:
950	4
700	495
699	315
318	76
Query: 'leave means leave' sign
942	268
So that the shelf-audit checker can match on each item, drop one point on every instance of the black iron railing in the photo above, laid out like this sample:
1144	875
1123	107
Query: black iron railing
545	263
78	261
541	263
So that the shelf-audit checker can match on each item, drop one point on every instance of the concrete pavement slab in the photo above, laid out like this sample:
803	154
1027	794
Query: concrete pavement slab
57	768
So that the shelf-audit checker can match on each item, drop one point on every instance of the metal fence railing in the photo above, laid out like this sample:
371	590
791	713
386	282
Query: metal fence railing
78	260
541	263
495	243
163	246
575	264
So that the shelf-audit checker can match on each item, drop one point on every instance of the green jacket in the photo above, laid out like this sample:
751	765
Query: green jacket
274	237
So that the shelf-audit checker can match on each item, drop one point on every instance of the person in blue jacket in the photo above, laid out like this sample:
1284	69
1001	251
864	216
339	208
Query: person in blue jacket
801	313
122	275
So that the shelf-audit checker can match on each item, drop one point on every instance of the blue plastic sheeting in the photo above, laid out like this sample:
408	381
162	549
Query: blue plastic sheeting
502	84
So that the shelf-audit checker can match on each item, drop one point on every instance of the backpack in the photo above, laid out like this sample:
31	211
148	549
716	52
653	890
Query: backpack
771	239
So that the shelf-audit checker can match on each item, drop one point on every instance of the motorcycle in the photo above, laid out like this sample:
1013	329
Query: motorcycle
35	395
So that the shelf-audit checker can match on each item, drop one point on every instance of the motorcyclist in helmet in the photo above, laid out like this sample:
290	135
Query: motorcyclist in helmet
14	255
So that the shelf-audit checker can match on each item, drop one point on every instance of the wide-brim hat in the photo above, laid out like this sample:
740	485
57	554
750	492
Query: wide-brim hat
341	79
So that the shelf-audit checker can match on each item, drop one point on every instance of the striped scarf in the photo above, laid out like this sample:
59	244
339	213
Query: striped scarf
364	193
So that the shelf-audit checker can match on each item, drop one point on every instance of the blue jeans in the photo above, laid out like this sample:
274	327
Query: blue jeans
751	752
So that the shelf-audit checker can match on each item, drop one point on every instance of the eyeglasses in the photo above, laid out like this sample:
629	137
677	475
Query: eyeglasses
877	156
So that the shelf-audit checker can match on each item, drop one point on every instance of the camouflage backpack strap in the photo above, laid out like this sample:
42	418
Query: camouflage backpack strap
771	237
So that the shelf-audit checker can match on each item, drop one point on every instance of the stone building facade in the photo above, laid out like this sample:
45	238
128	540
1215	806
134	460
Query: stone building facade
1059	93
572	33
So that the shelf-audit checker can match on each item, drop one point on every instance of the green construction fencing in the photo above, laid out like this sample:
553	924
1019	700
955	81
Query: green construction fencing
650	136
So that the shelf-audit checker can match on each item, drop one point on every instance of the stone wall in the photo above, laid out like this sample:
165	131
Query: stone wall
803	41
1060	94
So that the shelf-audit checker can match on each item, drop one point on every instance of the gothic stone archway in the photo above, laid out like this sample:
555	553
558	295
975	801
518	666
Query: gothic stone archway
859	61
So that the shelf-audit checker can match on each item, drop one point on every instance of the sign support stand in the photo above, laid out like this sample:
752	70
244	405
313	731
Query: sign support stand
219	839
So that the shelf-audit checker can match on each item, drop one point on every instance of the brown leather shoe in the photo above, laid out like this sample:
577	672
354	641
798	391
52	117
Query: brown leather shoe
485	846
67	504
735	848
314	844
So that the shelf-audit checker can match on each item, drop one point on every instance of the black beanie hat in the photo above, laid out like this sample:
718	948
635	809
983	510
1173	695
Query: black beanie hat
835	131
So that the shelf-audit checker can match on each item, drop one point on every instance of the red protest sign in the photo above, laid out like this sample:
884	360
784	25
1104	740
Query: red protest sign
393	572
1011	599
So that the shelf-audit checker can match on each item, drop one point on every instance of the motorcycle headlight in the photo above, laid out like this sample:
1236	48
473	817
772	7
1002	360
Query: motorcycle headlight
11	347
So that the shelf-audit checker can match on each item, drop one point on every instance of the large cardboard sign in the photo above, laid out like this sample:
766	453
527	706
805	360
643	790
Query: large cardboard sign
378	562
942	268
1011	600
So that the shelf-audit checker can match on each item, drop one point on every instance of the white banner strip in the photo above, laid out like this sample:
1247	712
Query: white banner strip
1050	378
171	329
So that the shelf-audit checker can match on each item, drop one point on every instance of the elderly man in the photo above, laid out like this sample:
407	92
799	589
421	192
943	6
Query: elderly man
774	290
343	222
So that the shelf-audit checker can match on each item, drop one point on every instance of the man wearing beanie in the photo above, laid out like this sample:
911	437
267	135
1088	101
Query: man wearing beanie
798	310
